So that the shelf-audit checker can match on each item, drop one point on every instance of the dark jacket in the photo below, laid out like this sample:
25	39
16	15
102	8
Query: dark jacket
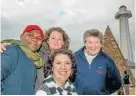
18	73
126	79
101	77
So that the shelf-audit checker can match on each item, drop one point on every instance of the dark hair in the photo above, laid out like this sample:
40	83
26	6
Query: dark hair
48	66
125	72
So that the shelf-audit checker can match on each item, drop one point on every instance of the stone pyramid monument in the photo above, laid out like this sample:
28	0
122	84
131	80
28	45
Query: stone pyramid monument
111	47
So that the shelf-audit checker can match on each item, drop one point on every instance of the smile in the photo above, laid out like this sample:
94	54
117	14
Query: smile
62	72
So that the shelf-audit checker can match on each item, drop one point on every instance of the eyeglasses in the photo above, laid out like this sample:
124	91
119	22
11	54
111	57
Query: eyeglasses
31	35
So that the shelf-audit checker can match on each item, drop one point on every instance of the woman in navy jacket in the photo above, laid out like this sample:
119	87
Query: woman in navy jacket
96	71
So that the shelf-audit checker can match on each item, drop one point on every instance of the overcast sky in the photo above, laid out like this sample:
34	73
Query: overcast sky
74	16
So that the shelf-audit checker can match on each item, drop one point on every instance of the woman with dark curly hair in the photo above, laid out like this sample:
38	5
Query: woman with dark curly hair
55	38
61	71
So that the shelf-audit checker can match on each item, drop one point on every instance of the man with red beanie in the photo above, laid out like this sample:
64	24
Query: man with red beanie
19	62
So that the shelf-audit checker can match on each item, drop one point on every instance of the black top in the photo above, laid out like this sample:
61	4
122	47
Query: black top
126	79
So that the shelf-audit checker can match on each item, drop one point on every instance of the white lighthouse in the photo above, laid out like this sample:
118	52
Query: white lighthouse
125	41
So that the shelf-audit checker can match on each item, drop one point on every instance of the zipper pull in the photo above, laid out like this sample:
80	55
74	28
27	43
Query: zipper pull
89	67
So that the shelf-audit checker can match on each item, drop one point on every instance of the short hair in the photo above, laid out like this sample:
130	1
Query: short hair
49	65
125	72
94	33
66	38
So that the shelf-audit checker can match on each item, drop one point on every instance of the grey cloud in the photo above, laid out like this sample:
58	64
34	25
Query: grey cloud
74	16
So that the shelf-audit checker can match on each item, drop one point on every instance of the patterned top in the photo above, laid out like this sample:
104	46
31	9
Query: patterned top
49	87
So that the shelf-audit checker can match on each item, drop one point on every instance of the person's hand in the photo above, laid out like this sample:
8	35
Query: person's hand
2	46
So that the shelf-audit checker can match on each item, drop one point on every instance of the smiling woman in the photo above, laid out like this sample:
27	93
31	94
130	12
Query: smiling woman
61	70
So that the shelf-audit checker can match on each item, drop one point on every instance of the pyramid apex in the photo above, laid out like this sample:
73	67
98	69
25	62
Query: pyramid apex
108	27
108	30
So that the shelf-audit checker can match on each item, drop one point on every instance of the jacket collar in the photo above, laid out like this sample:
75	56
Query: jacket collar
44	47
82	55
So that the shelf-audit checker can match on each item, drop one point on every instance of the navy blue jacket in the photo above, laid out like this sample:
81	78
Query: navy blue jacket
18	73
101	77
